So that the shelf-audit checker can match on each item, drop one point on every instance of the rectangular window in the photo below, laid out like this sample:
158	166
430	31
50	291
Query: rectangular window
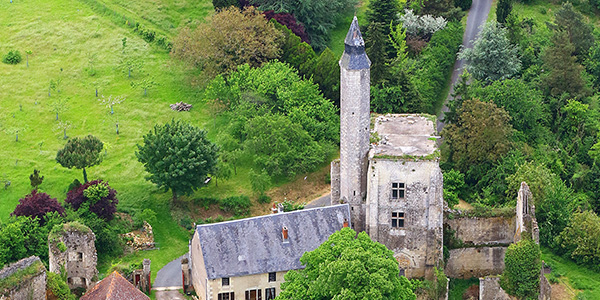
397	219
226	296
272	276
270	294
225	281
254	294
398	190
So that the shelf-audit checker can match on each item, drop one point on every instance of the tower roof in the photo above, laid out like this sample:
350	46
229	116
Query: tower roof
354	57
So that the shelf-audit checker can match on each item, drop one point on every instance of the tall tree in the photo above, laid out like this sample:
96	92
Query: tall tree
178	157
579	31
230	38
521	275
481	134
503	9
80	153
326	73
347	266
492	56
376	45
384	12
561	64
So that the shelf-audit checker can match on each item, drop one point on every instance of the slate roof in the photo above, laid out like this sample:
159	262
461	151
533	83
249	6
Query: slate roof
354	57
255	245
114	287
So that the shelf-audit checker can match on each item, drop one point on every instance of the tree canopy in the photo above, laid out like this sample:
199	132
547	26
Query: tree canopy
96	196
37	205
178	156
80	153
230	38
347	266
492	56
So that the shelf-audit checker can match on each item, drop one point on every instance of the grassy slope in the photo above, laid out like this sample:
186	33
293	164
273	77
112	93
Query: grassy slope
578	277
338	34
61	34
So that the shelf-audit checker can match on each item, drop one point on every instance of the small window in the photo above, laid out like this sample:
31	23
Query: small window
398	190
226	296
225	281
270	294
79	256
397	219
272	276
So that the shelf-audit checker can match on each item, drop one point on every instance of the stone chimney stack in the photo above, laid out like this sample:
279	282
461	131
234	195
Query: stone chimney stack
355	72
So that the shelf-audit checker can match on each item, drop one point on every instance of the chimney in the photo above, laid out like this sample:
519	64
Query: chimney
345	222
284	233
274	209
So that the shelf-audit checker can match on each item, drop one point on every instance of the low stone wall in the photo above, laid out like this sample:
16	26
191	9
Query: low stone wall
475	262
489	289
545	288
484	231
30	286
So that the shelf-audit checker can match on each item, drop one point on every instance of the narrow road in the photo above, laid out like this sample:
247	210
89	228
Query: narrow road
477	16
169	277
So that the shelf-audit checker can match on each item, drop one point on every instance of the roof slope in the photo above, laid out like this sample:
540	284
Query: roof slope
255	245
114	287
354	56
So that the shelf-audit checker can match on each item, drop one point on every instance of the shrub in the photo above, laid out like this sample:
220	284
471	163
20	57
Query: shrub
13	57
264	199
522	269
237	205
463	4
97	196
291	206
37	205
580	240
58	287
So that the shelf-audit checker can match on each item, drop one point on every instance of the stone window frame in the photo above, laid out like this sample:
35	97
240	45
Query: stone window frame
225	281
226	296
397	219
399	189
272	276
270	293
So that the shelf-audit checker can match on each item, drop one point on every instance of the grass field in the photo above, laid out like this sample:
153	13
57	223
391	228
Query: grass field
577	277
338	34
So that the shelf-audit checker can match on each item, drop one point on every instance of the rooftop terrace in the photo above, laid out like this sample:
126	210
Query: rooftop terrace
401	135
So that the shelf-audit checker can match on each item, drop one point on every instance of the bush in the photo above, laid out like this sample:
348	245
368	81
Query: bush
264	199
237	205
580	240
97	196
522	269
58	287
37	205
463	4
73	185
13	57
291	206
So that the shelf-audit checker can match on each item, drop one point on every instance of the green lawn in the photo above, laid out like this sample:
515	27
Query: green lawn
338	34
577	277
62	34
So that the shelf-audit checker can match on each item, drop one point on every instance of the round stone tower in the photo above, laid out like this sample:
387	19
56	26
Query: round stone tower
355	124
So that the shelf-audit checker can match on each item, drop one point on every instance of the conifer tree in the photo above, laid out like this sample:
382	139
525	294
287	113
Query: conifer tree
376	51
565	74
503	10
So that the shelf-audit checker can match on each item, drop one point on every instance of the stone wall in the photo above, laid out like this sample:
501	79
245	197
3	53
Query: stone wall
73	248
418	244
545	288
475	262
484	231
31	286
335	182
489	289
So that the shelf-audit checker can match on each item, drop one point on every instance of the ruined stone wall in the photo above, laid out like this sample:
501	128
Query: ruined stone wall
73	248
545	288
489	289
355	123
465	263
417	246
483	231
335	182
32	286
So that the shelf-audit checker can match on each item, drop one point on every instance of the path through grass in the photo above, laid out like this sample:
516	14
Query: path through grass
577	277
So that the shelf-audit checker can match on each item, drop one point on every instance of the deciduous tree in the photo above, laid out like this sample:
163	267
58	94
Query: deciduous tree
347	266
95	196
37	205
178	157
230	38
482	134
492	56
581	239
80	153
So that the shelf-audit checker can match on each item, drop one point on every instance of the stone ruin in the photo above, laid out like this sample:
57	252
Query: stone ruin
72	249
24	279
142	239
141	278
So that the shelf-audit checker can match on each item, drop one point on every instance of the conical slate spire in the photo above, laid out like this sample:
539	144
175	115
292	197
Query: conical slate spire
354	57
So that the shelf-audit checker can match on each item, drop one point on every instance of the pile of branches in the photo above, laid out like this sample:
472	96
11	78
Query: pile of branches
180	106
